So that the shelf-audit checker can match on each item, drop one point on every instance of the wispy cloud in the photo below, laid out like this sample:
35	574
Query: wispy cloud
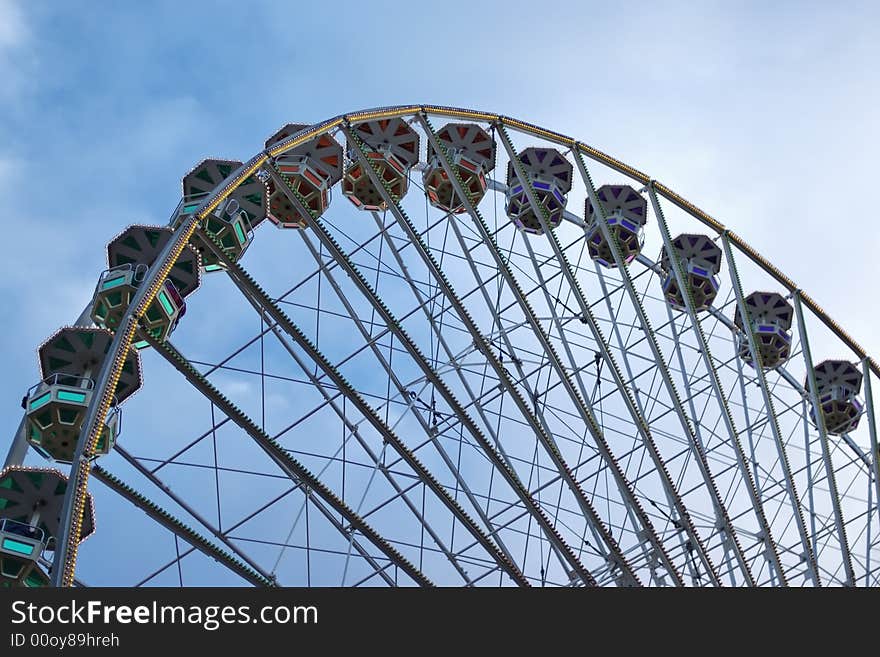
15	35
13	29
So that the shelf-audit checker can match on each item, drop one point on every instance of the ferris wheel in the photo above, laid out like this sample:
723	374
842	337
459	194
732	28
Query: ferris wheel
424	345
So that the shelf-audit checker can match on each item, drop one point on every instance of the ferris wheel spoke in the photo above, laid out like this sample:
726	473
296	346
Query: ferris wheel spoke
875	448
723	521
352	540
482	285
243	568
513	286
403	391
756	434
429	430
840	525
803	397
605	352
457	367
519	357
577	373
704	431
435	322
578	414
640	411
428	371
464	316
152	478
772	552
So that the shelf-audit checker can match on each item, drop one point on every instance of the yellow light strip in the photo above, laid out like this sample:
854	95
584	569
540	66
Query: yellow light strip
389	113
286	145
461	113
240	178
94	432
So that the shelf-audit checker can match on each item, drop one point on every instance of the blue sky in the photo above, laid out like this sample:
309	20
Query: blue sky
763	114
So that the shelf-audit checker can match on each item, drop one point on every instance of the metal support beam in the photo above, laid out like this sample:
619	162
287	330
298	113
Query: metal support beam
19	447
589	318
195	514
430	431
872	432
839	523
771	552
630	380
524	378
723	518
543	434
791	488
174	525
